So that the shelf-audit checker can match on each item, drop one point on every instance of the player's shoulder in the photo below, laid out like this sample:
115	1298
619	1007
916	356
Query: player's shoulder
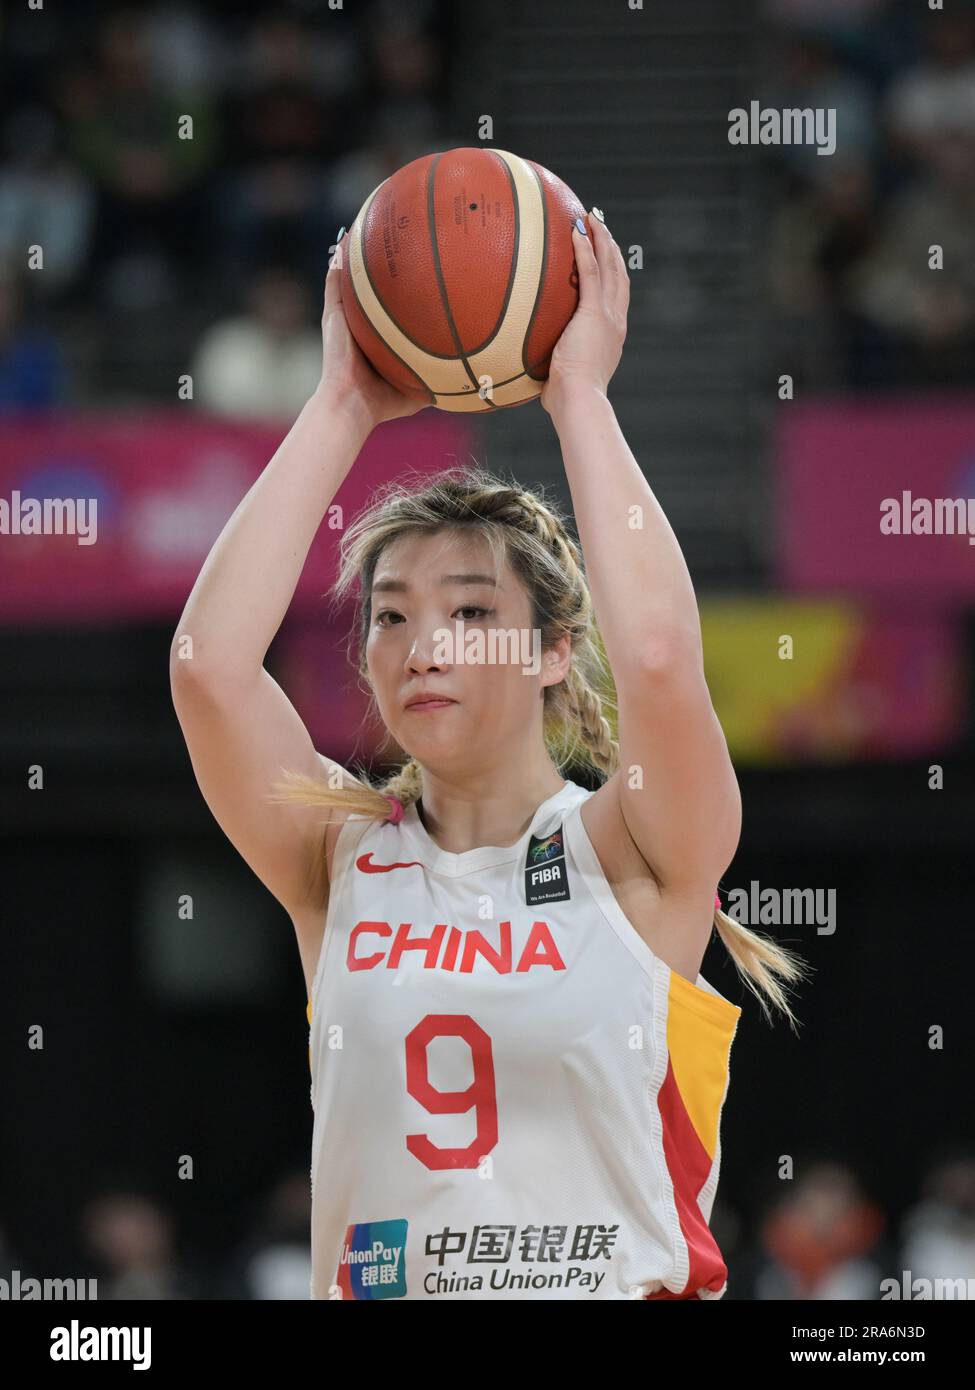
338	816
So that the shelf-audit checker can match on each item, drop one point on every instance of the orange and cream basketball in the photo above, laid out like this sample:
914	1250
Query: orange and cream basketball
459	276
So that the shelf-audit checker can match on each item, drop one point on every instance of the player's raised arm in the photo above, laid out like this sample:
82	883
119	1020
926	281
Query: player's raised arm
685	818
240	728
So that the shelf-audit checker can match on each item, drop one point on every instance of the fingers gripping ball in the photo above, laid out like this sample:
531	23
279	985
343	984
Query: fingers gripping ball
458	277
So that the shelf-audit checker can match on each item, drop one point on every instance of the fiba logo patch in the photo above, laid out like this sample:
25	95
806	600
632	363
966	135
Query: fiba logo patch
546	880
373	1260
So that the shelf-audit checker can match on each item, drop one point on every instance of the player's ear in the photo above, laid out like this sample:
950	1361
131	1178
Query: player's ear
557	659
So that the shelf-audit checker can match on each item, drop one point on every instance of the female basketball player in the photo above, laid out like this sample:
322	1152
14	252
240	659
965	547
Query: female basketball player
518	1071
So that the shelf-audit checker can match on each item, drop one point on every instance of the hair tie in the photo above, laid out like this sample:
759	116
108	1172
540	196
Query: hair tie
397	812
717	901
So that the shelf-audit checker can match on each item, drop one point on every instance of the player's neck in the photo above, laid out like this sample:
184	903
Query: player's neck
459	820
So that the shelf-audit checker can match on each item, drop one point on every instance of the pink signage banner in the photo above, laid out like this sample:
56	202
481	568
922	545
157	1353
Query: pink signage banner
878	497
110	516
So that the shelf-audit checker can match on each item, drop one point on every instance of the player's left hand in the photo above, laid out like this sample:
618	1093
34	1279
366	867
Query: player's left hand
589	350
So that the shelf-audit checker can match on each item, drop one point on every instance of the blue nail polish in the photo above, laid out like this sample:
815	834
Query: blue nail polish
581	226
341	233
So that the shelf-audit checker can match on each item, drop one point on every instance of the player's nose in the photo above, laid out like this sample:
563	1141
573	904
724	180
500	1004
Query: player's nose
427	652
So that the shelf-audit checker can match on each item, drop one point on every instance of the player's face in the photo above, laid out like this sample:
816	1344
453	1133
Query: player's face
441	626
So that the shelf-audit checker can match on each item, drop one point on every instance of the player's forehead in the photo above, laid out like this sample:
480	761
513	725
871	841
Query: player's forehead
425	561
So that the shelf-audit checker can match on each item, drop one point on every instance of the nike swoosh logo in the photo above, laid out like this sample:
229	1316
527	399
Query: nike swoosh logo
364	862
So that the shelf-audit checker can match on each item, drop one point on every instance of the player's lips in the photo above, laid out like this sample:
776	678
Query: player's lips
428	701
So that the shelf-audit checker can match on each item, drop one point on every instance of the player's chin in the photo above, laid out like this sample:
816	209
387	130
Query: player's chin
418	726
447	734
443	726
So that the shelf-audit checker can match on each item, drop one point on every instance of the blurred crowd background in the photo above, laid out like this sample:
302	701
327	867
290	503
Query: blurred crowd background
162	250
165	256
211	251
847	279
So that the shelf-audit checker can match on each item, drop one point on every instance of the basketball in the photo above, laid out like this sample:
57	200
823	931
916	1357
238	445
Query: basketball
458	277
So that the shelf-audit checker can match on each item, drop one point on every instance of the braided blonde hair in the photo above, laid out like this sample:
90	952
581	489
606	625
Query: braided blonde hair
529	532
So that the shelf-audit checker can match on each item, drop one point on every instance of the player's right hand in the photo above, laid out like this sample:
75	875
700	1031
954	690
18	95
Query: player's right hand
347	375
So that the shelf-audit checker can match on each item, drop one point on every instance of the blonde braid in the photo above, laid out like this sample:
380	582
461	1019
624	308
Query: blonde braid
594	728
586	705
406	784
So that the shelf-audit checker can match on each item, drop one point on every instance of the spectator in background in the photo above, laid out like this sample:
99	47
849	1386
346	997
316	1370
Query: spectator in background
266	362
130	1239
939	1233
31	370
405	64
125	129
274	1261
877	36
44	200
928	314
937	95
187	45
817	238
813	76
407	60
819	1239
294	106
394	140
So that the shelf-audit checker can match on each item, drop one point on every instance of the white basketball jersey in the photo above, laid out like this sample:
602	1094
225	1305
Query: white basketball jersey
514	1097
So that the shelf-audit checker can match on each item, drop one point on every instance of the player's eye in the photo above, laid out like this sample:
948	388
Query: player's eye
474	611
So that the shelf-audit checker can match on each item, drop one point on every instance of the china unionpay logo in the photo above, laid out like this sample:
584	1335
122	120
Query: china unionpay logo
373	1260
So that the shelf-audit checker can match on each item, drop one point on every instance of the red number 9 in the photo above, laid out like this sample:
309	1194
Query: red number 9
480	1095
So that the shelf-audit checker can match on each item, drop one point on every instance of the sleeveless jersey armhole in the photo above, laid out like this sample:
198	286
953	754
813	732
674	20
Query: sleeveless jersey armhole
700	999
346	842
